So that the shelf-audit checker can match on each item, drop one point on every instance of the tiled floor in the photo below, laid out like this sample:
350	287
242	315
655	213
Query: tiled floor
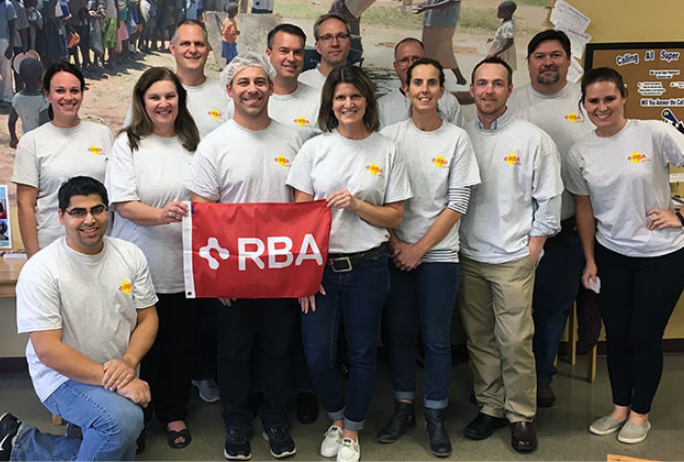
562	430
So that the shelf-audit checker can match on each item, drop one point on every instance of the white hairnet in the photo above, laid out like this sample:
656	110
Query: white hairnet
247	59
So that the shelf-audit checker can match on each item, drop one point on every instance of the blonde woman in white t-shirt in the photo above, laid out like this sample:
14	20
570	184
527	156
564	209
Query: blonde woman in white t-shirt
363	180
54	152
145	175
633	242
441	167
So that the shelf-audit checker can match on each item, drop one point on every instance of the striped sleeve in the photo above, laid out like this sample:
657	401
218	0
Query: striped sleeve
459	199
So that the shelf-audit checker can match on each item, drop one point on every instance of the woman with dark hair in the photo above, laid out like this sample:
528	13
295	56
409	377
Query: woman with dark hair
145	177
424	274
54	152
632	241
363	179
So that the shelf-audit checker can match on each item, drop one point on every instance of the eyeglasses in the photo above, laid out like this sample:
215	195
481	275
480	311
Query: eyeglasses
81	213
328	37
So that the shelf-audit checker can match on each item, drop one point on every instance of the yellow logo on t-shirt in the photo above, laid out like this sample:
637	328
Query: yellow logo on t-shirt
375	169
572	117
215	114
126	287
95	150
282	161
302	122
638	158
440	162
512	159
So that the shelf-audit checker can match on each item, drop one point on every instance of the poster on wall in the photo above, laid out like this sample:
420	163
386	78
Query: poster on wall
653	73
5	228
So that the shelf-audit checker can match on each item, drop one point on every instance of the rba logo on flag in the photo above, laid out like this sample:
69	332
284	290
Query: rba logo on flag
278	250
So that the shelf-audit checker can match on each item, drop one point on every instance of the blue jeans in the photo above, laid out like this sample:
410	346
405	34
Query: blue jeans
424	296
110	424
555	289
359	296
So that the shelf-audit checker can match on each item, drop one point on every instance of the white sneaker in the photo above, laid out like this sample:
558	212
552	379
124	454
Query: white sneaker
331	442
349	451
208	390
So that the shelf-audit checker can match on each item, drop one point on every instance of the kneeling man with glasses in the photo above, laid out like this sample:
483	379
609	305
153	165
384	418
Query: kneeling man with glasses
87	303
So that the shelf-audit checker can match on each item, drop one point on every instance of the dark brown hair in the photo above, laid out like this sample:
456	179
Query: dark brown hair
141	125
357	77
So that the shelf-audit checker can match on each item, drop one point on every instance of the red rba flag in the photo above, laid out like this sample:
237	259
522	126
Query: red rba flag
262	250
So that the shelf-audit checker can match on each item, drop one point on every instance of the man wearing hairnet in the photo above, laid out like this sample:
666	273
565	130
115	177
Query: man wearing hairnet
247	160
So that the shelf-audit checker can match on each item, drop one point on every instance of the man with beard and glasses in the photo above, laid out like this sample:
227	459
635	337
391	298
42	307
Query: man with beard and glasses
552	103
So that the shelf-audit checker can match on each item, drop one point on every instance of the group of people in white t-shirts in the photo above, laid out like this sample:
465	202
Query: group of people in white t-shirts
508	214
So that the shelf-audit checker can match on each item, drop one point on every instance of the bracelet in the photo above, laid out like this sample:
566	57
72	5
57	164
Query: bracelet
679	215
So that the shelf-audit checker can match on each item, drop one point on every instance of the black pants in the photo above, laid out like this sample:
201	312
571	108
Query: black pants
167	367
637	298
271	322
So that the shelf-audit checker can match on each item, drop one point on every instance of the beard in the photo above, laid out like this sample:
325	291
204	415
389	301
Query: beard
545	79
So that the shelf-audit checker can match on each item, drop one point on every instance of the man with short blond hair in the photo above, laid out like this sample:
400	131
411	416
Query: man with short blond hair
333	42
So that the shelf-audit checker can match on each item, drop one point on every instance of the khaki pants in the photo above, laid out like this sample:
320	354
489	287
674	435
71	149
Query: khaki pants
496	308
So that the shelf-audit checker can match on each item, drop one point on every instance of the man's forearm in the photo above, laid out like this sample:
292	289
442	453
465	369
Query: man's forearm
65	359
143	336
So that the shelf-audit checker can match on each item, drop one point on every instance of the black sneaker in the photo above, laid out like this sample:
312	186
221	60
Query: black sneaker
9	426
237	444
280	441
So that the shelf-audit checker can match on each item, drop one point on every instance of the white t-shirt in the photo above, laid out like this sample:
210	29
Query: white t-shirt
92	298
435	162
520	168
313	78
505	32
371	169
208	104
28	108
298	110
560	116
395	107
153	175
236	165
48	156
626	175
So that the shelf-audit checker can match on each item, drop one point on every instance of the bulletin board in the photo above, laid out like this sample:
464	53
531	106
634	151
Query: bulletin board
653	73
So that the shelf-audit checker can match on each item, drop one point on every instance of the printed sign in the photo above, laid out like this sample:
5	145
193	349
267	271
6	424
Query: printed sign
5	226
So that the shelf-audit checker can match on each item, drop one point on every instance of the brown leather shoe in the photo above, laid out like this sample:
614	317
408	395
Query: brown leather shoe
523	437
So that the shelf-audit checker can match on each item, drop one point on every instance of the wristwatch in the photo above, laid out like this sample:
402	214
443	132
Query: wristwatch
679	215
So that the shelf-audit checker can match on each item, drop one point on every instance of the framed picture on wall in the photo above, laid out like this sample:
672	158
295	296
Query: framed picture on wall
5	227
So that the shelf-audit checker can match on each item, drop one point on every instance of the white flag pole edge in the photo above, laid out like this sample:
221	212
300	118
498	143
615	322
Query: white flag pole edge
187	253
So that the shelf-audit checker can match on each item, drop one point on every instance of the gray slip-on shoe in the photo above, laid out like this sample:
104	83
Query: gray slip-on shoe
606	425
632	433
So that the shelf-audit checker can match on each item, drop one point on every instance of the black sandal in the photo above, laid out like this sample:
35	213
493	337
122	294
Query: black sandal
172	436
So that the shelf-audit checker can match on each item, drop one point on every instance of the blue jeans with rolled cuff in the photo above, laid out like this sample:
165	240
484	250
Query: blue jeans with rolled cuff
358	296
423	297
